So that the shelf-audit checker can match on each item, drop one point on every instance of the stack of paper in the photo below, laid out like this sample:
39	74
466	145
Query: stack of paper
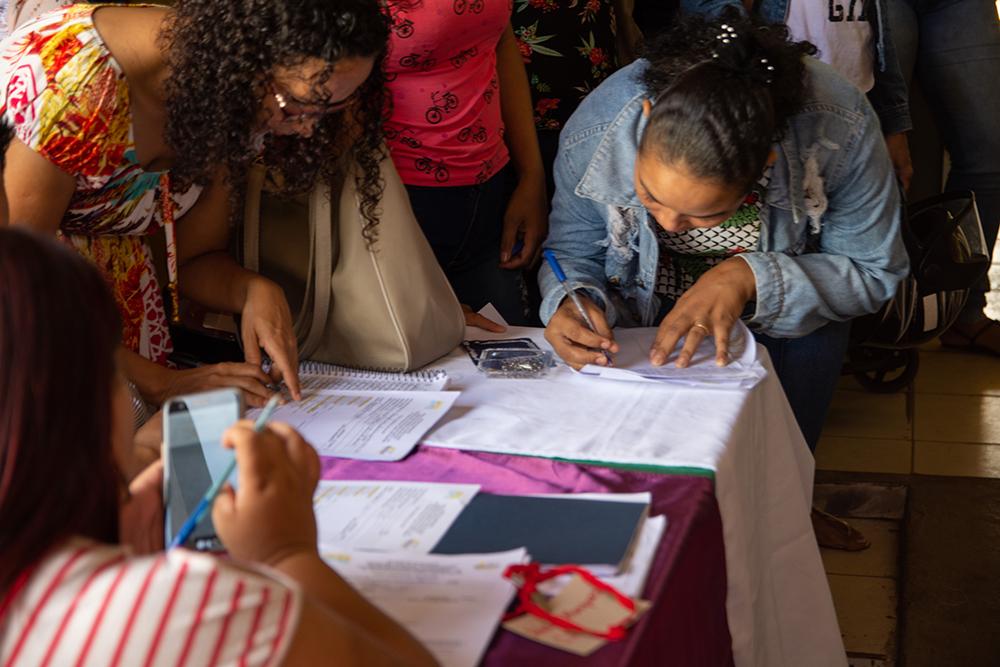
452	604
376	534
632	362
368	425
387	516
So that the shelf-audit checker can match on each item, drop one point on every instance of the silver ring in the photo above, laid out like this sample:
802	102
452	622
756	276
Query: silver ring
699	325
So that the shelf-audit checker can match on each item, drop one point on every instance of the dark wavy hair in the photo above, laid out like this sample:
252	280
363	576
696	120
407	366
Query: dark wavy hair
221	57
723	92
59	330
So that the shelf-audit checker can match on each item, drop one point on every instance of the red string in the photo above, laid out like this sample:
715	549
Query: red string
531	575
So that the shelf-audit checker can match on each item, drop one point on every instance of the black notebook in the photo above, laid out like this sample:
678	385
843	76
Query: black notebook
555	530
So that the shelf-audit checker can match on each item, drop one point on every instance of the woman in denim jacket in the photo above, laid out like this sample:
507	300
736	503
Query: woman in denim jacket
727	176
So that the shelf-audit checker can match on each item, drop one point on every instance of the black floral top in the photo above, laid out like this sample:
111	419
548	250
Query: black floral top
568	48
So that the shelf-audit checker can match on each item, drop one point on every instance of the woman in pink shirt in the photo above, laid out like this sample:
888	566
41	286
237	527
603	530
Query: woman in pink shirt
462	136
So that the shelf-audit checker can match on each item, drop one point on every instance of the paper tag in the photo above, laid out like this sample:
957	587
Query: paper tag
930	312
584	605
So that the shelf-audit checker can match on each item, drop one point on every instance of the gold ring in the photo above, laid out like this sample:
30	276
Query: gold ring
699	325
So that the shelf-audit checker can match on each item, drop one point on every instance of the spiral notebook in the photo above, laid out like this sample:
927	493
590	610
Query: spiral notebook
315	375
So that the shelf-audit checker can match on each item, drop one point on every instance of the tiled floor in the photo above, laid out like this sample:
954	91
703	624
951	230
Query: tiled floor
946	424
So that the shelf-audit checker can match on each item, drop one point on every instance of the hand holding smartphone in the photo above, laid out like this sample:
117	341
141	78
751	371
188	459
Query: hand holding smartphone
194	458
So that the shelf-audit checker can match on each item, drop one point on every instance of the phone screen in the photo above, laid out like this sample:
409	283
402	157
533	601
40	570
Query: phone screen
195	459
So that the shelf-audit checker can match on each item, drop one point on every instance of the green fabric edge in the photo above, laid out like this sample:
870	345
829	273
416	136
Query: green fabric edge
637	467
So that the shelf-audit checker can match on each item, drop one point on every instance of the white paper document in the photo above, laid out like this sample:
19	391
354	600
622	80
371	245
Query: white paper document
369	425
632	362
452	604
387	516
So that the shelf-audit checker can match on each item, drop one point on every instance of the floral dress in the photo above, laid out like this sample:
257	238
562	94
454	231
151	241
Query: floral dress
568	48
68	100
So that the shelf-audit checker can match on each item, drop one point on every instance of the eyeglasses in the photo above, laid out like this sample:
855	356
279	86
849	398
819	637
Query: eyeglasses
296	111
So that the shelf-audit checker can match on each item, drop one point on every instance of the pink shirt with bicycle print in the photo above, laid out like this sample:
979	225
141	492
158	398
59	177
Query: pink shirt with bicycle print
444	127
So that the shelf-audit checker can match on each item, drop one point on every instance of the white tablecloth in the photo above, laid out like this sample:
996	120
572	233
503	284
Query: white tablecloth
779	606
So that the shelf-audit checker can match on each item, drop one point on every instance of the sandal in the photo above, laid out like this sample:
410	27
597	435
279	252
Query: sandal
834	533
959	337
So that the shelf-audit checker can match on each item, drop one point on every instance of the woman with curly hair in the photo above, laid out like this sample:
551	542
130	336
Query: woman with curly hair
128	118
726	176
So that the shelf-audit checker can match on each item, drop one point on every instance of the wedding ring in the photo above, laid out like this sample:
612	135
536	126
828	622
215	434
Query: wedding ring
699	325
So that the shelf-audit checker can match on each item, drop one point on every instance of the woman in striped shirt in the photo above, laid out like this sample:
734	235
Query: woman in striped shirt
73	589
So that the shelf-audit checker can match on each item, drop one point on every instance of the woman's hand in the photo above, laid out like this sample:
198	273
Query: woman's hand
573	340
267	323
474	319
526	219
140	517
271	516
249	378
710	307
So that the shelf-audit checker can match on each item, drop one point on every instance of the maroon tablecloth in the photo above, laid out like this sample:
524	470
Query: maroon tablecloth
687	584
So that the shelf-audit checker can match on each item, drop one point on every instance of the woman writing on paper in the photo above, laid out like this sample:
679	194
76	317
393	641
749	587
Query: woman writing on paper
73	590
726	176
128	118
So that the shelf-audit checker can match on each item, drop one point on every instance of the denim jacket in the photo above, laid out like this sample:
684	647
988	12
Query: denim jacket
830	246
889	96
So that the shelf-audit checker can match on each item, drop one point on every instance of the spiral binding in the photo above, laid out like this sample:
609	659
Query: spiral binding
332	370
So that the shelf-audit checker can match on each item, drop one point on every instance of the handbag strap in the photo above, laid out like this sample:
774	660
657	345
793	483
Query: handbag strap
251	218
321	257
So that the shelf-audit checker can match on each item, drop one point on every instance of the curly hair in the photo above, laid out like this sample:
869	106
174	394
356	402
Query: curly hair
221	57
723	92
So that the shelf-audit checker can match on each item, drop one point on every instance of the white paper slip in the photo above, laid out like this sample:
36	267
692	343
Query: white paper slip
633	577
632	362
368	425
387	516
317	375
452	604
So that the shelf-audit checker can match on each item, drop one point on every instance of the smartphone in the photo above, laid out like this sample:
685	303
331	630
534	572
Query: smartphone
194	459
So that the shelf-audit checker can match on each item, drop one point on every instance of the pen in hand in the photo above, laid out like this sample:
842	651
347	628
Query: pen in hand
206	501
561	277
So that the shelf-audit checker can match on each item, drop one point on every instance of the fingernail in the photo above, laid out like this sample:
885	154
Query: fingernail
504	256
606	345
601	361
657	358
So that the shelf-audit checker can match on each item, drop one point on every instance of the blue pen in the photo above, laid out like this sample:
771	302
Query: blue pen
206	501
561	277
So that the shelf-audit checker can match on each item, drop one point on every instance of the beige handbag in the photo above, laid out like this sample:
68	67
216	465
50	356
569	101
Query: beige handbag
388	306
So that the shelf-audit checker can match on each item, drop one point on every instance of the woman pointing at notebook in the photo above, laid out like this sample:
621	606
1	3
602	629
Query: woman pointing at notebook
129	119
726	176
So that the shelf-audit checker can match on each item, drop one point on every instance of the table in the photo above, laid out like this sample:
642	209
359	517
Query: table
778	603
687	583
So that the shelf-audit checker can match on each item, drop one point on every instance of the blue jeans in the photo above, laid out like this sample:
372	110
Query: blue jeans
809	369
463	225
953	48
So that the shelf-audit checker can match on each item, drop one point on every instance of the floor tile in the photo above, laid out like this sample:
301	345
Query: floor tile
866	415
864	455
956	459
949	372
881	559
866	610
957	418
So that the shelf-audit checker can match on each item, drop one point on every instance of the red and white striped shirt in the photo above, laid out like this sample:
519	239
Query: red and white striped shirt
93	604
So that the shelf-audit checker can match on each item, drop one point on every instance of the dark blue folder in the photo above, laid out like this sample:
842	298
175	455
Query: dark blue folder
555	530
